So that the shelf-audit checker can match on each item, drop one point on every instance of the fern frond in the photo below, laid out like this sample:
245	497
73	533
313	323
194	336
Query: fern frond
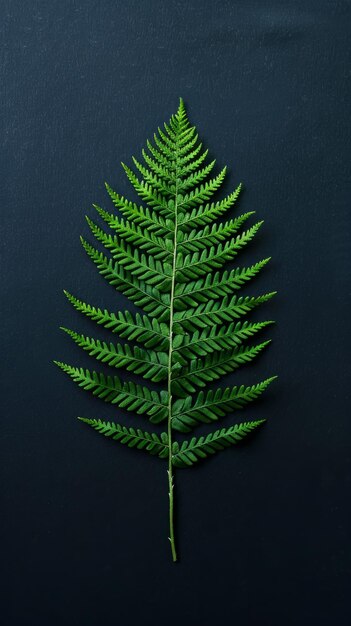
209	236
142	266
202	193
201	372
181	142
147	363
160	170
192	164
148	193
142	294
127	395
184	163
184	455
189	452
150	178
160	158
208	213
166	255
215	312
214	285
214	338
141	328
192	266
134	234
184	151
211	405
140	215
133	438
196	177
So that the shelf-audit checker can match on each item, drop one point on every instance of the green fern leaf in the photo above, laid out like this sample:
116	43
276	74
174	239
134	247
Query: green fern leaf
133	438
200	372
141	293
226	310
132	233
140	215
166	255
215	338
192	266
126	395
184	455
148	363
211	405
196	177
209	236
206	214
139	328
214	286
189	452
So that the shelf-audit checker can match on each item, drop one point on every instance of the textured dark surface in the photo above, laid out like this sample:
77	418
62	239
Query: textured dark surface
264	528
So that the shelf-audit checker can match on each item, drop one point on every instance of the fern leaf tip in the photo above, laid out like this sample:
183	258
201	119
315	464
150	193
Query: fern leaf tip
65	330
59	364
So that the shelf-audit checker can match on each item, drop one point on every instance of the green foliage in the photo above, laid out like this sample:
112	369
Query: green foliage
127	395
184	455
167	256
133	438
189	452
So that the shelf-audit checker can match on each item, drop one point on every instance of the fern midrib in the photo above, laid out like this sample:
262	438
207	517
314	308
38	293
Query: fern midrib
170	353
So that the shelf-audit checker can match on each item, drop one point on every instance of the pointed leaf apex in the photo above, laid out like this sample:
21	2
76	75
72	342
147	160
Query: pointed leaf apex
181	107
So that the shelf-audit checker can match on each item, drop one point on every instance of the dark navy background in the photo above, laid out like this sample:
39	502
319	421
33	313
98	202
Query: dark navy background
263	529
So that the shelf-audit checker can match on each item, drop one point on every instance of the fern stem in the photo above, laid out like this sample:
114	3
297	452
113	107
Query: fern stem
170	352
